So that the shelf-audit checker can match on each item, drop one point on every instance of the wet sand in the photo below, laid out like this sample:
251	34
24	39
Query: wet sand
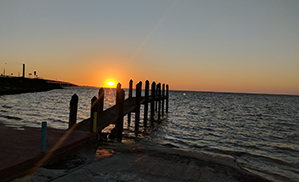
142	162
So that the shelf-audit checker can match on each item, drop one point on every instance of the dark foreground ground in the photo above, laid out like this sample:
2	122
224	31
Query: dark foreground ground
137	162
17	85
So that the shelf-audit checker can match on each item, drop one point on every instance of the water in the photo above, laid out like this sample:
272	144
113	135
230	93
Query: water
31	109
261	131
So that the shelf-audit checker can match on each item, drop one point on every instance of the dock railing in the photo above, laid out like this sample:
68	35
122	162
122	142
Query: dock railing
100	118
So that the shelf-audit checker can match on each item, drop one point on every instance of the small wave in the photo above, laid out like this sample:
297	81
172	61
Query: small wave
10	117
248	146
5	106
57	120
255	156
29	114
193	113
286	149
170	145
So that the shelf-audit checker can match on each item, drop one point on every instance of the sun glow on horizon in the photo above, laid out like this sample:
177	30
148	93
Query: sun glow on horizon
110	83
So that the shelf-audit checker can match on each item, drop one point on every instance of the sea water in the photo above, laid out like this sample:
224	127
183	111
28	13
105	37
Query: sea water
260	131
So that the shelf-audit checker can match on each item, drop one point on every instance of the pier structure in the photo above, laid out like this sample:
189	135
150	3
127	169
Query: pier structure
99	118
30	148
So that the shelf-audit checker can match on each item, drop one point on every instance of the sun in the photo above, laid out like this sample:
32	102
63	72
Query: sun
110	83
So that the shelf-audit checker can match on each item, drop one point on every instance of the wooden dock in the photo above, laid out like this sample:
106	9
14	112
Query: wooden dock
21	152
100	119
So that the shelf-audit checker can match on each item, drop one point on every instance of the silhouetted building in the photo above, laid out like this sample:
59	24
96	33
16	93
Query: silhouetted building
23	70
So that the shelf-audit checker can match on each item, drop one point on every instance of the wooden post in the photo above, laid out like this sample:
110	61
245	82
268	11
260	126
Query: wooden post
137	110
100	106
140	89
131	89
118	88
156	100
44	137
153	103
93	114
159	101
163	97
146	103
167	97
130	96
101	101
120	121
73	110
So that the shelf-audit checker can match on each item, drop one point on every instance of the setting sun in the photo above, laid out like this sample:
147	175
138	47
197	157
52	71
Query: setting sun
110	83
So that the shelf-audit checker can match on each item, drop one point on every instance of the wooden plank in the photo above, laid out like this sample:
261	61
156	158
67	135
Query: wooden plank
109	116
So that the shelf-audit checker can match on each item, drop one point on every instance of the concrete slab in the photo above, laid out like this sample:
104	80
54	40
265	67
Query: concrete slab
21	148
141	162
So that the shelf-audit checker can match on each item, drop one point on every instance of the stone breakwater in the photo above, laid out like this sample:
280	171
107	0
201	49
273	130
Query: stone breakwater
17	85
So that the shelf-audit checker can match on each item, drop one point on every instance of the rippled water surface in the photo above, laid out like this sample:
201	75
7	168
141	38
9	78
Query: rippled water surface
31	109
261	131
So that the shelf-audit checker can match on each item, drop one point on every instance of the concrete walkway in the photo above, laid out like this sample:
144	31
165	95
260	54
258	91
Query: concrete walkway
21	148
138	162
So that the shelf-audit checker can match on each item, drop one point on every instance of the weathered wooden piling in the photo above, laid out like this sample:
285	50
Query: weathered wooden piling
73	111
93	114
100	105
146	94
137	109
101	101
163	96
44	137
118	88
157	94
167	97
120	122
159	101
153	103
130	96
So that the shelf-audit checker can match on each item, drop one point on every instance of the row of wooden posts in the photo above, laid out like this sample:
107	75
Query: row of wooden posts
123	107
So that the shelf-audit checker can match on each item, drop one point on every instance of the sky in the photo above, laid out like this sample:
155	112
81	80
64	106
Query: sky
200	45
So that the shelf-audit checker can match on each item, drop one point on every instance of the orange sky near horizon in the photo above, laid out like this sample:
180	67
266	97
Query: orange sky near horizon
218	46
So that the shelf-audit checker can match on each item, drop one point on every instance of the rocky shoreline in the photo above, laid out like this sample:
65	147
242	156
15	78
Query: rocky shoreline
17	85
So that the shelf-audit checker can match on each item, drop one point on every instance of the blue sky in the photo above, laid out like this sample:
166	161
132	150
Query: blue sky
210	45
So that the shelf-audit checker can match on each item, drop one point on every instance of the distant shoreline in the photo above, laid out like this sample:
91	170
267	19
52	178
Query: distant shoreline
18	85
